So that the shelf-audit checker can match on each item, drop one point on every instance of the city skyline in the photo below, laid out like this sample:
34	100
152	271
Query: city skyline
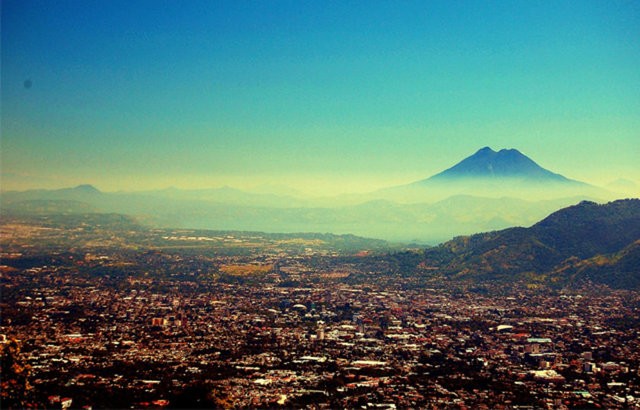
323	97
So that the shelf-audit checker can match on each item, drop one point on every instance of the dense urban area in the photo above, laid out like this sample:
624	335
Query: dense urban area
101	314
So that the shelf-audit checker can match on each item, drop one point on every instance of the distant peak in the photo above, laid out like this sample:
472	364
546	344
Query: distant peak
506	163
485	150
503	151
86	188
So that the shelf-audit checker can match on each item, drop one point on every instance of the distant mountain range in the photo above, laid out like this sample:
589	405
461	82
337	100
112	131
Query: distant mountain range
488	190
584	242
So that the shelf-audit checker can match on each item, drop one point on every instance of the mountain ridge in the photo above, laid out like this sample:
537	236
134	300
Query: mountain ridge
562	242
429	212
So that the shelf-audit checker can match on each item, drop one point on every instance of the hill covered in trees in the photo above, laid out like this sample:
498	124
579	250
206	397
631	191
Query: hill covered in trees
587	241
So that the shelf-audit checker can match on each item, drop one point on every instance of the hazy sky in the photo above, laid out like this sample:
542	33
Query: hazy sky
319	95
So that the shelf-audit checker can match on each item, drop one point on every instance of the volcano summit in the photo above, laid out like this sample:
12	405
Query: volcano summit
506	163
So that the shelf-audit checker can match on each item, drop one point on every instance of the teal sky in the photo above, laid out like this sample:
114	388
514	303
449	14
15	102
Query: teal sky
323	96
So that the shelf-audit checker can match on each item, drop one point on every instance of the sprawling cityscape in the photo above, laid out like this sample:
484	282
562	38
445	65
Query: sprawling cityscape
110	324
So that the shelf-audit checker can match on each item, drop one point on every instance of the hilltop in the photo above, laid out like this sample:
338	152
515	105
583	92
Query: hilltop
586	241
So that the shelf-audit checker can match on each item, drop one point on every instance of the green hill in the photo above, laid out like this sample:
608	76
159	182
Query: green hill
582	242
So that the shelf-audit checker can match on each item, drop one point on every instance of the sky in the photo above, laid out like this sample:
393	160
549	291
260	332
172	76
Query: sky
322	96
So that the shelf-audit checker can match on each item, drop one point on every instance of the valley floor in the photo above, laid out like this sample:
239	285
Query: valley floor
136	333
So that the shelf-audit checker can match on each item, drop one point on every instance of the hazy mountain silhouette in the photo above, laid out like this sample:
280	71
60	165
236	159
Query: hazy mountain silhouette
77	193
496	174
506	163
86	189
486	191
424	222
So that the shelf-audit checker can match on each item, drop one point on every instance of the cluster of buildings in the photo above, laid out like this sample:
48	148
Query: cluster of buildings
107	331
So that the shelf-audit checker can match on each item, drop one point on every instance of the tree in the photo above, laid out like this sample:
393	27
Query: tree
14	377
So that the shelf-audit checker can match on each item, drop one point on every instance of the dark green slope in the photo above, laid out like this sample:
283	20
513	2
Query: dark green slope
556	249
618	270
